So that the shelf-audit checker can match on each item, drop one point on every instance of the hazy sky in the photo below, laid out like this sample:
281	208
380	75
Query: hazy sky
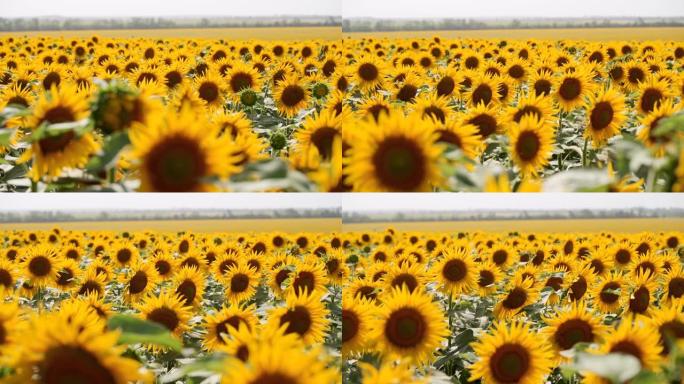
111	201
115	8
474	201
509	8
348	201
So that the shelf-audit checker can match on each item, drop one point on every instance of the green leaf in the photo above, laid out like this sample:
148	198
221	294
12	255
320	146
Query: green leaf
135	330
16	172
49	130
110	151
204	366
616	367
5	136
649	378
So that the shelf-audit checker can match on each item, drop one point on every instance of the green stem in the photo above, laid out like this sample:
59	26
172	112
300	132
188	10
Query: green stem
34	186
584	153
451	317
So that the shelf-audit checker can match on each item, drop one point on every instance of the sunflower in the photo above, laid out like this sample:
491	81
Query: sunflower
511	354
673	283
164	264
52	152
412	276
75	347
517	70
304	315
636	339
241	77
233	124
636	73
210	89
541	83
320	131
368	73
482	91
572	88
124	253
649	264
279	358
67	275
571	325
485	119
431	107
387	373
396	153
407	89
140	279
41	265
531	144
188	284
357	315
337	270
8	277
606	112
11	327
539	106
669	321
652	93
166	309
515	297
649	124
488	276
446	81
179	152
290	96
373	106
364	288
308	276
92	283
455	272
409	325
642	294
219	323
241	283
578	283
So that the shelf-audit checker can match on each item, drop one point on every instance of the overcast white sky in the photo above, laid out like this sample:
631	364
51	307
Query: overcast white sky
138	201
349	201
509	8
117	8
473	201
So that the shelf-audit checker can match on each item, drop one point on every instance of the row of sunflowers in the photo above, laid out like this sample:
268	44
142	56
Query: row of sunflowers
155	307
514	307
359	307
368	114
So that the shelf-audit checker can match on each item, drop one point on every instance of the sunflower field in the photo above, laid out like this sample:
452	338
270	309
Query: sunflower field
513	115
154	307
116	114
485	307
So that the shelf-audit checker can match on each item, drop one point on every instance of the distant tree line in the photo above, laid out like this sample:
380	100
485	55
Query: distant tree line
377	25
179	214
57	23
358	217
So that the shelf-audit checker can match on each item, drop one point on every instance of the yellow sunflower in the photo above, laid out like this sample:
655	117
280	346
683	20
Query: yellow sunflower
180	152
409	325
55	150
396	153
531	144
511	354
606	112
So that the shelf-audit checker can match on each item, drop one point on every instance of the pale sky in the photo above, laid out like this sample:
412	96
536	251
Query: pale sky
119	8
509	8
164	201
369	202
